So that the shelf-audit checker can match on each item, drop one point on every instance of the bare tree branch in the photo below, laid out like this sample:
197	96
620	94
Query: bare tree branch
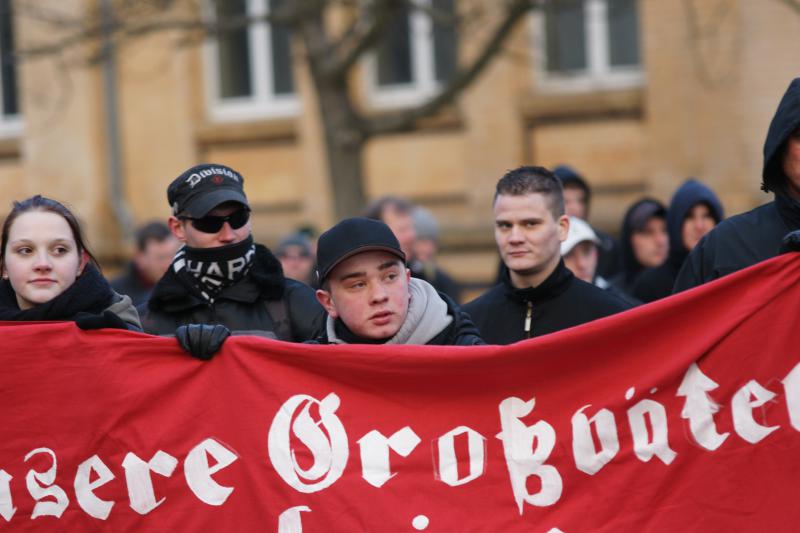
406	119
793	4
363	34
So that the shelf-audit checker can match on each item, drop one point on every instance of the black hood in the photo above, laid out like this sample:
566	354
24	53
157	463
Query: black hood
785	121
631	223
691	193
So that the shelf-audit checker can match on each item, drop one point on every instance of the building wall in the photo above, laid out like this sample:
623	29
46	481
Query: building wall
712	77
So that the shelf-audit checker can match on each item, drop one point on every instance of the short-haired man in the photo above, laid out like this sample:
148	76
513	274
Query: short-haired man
220	276
371	298
155	247
537	294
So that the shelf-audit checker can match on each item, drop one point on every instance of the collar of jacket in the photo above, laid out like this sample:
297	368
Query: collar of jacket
556	283
264	281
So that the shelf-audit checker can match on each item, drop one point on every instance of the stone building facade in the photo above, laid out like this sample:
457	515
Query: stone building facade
635	94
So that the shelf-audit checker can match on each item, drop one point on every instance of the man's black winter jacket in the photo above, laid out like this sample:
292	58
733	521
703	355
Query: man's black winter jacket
505	314
244	308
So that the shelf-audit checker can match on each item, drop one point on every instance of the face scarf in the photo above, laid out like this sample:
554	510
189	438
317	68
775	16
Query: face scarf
210	270
90	293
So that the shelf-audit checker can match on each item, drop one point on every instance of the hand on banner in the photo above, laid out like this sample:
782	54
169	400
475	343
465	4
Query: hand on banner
105	320
791	242
202	340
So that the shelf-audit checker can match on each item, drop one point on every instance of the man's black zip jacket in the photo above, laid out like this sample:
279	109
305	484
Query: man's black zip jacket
561	301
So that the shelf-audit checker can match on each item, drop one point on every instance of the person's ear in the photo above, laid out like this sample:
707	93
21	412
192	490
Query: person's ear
326	301
563	227
177	229
84	262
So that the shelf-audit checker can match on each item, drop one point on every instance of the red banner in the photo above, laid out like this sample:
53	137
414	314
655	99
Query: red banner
683	415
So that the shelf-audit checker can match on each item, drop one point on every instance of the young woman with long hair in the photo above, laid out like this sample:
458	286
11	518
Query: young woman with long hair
50	274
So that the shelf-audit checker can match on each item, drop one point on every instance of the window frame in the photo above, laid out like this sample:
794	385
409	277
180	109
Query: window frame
10	125
262	102
599	73
423	68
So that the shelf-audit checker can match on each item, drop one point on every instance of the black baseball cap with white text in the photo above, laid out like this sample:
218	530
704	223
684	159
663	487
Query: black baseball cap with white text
203	187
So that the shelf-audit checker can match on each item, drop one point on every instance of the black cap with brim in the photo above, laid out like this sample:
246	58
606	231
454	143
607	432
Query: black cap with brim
200	206
203	187
353	236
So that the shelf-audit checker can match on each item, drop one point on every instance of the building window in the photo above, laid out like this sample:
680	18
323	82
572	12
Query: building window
418	53
587	44
250	68
10	122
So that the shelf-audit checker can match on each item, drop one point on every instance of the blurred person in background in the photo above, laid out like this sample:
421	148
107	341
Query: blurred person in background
155	248
397	213
644	242
426	246
693	212
49	273
580	252
297	259
577	201
765	231
537	294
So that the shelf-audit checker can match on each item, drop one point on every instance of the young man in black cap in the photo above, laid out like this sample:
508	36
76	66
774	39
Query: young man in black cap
220	280
537	294
371	298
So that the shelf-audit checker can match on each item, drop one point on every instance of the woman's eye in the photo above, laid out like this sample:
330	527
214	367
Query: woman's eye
60	250
24	250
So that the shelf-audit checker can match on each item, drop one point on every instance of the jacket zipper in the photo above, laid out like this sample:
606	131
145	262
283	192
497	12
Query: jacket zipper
528	320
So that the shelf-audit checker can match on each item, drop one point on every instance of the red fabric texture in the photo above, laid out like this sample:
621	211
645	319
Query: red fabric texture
110	393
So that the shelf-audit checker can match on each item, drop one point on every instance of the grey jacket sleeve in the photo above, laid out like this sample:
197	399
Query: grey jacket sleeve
123	307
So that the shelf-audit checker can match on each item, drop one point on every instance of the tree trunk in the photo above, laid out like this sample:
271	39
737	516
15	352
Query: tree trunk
344	145
344	136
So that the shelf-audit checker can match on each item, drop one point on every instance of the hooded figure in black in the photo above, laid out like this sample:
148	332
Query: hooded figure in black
656	283
635	220
748	238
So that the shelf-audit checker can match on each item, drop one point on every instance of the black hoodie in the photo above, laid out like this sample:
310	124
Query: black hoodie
635	219
746	239
656	283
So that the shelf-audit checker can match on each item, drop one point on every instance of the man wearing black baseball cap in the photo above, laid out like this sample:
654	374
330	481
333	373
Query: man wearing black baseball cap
220	280
371	297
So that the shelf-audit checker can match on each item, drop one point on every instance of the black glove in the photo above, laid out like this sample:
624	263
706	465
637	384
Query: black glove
791	242
202	340
106	320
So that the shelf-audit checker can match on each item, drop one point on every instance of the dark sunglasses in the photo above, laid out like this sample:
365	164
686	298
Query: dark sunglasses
212	224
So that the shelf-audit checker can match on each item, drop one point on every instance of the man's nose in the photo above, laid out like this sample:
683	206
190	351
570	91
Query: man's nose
378	293
226	233
515	234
